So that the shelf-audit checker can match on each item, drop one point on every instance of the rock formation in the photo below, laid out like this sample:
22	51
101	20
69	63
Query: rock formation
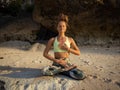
90	21
94	21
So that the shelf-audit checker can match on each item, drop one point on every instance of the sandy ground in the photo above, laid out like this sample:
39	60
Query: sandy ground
21	63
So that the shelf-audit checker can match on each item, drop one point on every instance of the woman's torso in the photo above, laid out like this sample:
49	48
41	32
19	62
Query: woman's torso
59	53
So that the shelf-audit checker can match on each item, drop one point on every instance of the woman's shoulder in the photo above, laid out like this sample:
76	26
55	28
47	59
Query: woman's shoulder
70	38
52	39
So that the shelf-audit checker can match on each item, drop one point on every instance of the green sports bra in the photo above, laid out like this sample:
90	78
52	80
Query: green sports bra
56	47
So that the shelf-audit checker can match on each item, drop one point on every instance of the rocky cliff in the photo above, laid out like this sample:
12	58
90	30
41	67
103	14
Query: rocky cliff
91	21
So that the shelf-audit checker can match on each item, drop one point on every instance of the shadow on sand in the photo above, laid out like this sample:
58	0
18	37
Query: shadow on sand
19	72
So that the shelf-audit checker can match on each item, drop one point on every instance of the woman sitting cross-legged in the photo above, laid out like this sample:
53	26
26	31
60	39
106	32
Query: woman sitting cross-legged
62	47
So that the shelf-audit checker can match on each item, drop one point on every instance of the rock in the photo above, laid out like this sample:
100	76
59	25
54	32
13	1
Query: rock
37	47
1	57
117	83
48	83
90	21
93	76
16	44
107	80
2	83
20	30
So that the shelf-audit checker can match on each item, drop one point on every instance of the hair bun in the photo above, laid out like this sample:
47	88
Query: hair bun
63	17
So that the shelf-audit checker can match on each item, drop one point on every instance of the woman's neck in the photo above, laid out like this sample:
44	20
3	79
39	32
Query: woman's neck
61	35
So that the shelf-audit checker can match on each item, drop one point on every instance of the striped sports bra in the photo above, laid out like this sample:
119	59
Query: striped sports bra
56	47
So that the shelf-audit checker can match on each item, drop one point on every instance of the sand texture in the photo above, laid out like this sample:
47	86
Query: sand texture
21	64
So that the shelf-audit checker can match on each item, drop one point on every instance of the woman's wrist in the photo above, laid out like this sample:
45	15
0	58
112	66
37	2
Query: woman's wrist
54	60
68	50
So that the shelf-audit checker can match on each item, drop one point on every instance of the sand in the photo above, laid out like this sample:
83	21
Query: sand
21	64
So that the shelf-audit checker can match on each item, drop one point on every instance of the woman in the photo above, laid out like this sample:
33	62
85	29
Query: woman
63	46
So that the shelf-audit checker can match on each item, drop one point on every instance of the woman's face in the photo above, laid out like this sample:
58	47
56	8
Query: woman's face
61	27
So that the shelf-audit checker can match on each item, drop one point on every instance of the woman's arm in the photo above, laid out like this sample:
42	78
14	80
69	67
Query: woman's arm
47	49
74	48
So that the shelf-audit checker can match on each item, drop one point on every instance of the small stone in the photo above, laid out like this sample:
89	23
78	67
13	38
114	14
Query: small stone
17	82
117	83
108	46
40	61
83	89
107	80
112	73
95	77
1	57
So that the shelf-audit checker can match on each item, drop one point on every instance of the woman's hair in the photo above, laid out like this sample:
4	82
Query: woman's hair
63	17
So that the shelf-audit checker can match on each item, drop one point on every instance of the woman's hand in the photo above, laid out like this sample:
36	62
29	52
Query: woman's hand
65	65
64	47
62	62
